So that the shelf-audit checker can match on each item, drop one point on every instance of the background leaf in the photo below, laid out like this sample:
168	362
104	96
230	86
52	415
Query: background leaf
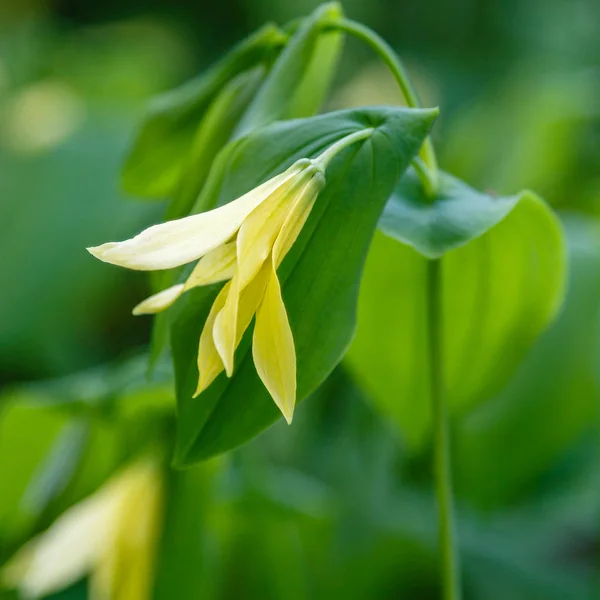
153	166
551	403
302	74
500	291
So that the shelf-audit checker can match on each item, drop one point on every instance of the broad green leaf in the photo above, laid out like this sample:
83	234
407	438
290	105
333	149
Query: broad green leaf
500	291
155	162
550	405
320	276
301	76
456	215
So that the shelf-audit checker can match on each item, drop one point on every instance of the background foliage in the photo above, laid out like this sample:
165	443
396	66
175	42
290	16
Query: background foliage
341	502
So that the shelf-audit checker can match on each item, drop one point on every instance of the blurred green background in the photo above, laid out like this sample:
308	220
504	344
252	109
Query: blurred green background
337	505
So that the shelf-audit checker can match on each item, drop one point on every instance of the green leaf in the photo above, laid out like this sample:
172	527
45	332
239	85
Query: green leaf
432	226
550	405
154	165
320	276
300	78
214	132
500	291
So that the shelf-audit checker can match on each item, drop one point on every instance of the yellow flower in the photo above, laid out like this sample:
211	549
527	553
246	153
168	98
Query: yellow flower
243	243
111	535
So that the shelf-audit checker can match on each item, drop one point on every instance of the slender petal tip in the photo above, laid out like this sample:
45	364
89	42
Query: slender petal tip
100	251
160	301
224	337
203	383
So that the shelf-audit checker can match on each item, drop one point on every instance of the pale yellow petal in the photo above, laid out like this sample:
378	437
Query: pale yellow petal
255	241
217	265
159	302
250	299
209	361
181	241
225	327
254	244
66	552
296	219
124	570
259	231
236	316
273	348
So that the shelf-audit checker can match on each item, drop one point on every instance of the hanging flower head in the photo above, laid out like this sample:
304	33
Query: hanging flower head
243	243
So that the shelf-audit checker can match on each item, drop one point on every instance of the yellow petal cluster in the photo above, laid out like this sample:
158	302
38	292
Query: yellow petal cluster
242	243
110	536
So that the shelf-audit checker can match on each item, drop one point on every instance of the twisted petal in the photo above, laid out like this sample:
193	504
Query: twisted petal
181	241
273	348
260	229
209	361
224	332
254	244
273	344
296	219
235	317
159	302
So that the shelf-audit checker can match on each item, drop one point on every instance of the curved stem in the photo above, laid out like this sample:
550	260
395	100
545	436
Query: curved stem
390	58
323	160
442	465
385	51
425	175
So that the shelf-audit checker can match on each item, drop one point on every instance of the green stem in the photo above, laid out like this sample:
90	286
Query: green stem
429	176
449	558
427	181
323	160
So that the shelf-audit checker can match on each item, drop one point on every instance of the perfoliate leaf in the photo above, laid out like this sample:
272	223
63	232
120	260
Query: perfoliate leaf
499	292
432	226
153	167
320	276
301	76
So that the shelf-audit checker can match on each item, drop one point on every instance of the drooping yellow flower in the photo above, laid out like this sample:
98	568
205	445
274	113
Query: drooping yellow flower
242	243
110	536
